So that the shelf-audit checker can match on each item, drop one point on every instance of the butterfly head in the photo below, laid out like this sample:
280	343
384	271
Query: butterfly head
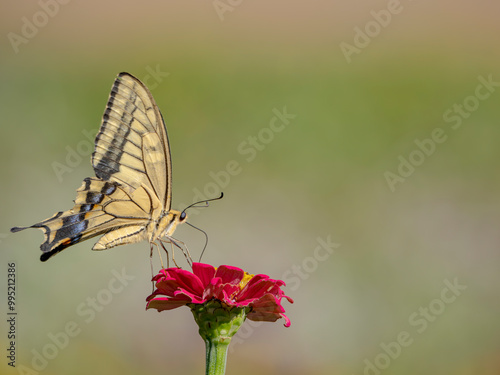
168	223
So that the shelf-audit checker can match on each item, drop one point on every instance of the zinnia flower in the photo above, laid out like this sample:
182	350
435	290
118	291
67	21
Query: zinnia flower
229	285
220	300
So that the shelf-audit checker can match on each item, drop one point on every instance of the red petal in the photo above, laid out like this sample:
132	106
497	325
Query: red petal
167	286
165	304
186	280
212	289
159	275
268	309
205	273
189	296
259	287
229	274
228	292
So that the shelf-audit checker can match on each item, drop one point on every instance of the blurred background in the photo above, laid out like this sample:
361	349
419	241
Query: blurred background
374	195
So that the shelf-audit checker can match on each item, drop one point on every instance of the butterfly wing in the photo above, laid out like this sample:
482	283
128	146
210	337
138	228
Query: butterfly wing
100	207
132	147
133	168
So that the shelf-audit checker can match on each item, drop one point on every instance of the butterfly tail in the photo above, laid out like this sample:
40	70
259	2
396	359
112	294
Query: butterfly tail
60	231
18	229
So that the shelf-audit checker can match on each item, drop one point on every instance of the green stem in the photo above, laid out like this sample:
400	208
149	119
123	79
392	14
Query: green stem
216	356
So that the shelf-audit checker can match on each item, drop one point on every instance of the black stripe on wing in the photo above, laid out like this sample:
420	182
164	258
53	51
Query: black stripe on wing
110	162
118	145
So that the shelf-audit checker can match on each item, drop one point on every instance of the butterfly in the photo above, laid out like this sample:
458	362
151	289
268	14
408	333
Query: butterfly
130	198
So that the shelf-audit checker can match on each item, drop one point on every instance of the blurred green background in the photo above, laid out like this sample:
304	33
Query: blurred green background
225	66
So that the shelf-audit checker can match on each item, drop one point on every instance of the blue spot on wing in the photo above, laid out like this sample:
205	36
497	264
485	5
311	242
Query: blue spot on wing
86	207
94	197
108	188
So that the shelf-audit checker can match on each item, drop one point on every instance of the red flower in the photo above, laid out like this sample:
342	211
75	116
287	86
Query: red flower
232	286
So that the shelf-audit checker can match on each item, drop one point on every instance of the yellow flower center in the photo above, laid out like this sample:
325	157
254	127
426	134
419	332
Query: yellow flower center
245	280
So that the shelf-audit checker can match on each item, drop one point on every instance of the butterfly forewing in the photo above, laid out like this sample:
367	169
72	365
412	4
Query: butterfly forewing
133	127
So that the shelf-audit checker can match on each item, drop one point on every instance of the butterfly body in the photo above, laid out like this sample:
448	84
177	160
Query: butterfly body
129	199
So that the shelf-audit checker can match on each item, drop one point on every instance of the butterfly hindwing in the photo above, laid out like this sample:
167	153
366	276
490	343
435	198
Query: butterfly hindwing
100	206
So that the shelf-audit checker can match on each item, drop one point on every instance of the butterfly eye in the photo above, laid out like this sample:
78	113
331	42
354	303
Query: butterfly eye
183	215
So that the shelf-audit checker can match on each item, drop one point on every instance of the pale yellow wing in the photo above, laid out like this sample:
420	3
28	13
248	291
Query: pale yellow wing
132	147
100	207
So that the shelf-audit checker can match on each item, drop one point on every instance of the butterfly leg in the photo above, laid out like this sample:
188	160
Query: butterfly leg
159	254
173	242
173	254
151	260
187	254
151	263
168	258
181	245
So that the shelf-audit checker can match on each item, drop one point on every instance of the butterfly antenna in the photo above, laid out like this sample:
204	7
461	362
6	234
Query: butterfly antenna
206	239
203	201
